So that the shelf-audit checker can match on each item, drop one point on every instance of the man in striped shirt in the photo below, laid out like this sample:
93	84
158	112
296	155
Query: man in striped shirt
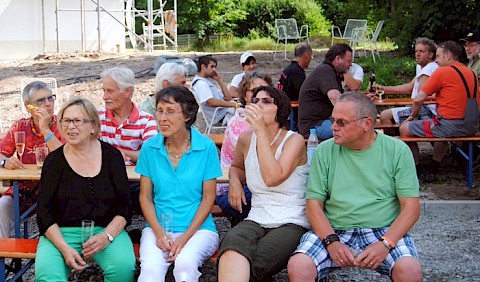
123	125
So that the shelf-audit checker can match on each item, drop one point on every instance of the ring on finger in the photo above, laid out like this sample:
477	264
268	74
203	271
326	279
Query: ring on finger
341	260
371	263
254	115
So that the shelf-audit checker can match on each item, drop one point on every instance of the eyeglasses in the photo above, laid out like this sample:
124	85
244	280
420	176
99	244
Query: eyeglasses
471	45
265	100
342	122
77	122
43	100
168	114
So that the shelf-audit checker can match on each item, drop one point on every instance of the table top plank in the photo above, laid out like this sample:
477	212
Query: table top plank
30	173
399	102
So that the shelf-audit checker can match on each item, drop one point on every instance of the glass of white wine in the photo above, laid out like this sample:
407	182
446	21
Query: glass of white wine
87	232
20	143
379	92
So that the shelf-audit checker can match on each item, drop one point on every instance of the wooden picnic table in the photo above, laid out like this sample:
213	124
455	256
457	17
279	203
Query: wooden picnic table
399	102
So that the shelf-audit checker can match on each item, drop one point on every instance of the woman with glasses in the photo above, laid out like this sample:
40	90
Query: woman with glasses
235	127
85	179
40	130
273	161
178	171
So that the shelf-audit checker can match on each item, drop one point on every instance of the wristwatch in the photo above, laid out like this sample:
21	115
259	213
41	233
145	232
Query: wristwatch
330	239
3	162
110	237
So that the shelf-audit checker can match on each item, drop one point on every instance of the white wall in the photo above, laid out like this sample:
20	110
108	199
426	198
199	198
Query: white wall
21	27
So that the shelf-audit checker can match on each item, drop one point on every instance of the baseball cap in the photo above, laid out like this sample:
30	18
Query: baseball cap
472	36
245	57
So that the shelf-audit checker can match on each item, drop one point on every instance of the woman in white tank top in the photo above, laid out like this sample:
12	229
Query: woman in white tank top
272	160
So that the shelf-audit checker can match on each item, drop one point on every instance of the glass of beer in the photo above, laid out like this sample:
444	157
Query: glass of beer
40	155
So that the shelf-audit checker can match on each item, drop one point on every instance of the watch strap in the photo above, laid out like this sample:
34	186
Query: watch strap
4	160
110	237
330	239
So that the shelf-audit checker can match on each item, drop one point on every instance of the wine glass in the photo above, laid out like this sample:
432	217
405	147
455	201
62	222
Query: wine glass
379	92
167	225
20	143
356	251
87	231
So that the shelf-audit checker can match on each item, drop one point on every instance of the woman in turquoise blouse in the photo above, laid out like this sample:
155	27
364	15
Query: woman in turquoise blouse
178	171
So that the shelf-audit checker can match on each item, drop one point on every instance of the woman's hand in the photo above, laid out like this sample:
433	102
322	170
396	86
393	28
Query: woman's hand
255	117
177	246
73	258
95	244
164	242
13	163
236	196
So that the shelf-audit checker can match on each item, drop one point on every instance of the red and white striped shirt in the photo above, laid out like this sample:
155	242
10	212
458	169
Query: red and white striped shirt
129	135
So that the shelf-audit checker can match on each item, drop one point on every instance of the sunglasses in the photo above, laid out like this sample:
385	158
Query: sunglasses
43	100
265	100
342	122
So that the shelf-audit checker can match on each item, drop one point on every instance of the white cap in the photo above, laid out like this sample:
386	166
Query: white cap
245	56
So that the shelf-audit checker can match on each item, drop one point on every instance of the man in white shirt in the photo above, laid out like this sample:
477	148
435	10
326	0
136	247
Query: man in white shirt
248	64
209	96
425	50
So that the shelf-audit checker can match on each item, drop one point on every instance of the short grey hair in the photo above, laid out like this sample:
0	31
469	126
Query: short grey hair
123	76
33	87
169	72
364	106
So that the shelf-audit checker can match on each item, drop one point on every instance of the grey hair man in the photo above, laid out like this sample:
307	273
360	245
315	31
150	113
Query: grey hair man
362	218
472	48
123	125
169	74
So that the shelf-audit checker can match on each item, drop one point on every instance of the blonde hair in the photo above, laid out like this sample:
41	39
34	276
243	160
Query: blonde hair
87	109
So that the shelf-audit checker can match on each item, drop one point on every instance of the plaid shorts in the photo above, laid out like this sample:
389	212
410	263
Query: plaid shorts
361	238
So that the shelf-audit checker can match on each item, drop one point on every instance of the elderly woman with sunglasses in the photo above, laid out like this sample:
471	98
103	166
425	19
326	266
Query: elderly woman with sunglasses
85	179
178	169
273	161
40	130
235	127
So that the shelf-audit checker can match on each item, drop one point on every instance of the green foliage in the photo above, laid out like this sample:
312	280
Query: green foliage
230	43
389	70
261	15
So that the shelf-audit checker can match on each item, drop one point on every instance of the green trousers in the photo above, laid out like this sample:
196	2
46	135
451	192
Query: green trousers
117	260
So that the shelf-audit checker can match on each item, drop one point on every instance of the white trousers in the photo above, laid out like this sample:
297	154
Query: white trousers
6	216
154	265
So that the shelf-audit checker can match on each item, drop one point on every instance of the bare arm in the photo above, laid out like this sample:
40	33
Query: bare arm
132	155
333	95
417	105
212	102
351	82
236	174
399	89
339	252
274	172
148	210
223	86
233	91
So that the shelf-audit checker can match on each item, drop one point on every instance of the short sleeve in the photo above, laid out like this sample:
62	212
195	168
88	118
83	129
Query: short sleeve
213	169
202	90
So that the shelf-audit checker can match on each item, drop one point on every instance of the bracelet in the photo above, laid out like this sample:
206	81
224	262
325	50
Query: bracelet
236	106
49	137
390	242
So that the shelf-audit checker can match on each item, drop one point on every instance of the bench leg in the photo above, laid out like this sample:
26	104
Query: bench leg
470	166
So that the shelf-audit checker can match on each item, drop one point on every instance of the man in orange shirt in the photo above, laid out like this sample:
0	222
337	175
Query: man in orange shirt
451	96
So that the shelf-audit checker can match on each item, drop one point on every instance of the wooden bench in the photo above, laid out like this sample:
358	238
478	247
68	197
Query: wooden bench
19	248
217	139
468	156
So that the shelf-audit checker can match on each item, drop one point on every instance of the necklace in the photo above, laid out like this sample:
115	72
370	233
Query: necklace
276	137
32	125
187	146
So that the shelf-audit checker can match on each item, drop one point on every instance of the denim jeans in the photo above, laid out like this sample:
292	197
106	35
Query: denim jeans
222	202
324	130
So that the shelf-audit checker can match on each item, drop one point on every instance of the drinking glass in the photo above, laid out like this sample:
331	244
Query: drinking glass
380	93
87	231
20	143
40	155
242	114
356	251
166	221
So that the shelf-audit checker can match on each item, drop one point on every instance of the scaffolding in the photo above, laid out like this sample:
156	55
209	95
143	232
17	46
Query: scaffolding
150	31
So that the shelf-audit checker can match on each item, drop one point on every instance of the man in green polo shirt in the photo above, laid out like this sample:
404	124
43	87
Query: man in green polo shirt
362	199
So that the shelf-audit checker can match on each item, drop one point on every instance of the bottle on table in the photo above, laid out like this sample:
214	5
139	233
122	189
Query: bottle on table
372	82
312	144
